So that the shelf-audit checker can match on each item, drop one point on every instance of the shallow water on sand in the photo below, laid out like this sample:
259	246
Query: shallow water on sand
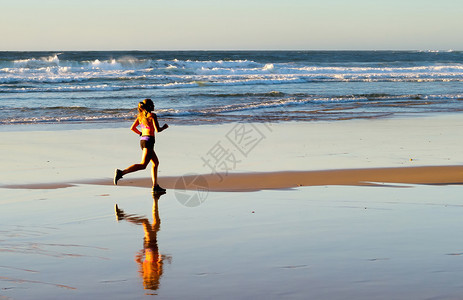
316	242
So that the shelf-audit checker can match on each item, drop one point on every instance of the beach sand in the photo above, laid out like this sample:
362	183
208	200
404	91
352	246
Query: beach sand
360	150
362	209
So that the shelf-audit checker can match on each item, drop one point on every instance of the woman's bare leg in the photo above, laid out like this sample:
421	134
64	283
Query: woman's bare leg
154	168
145	159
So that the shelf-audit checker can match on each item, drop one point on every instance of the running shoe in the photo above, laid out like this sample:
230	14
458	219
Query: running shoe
117	176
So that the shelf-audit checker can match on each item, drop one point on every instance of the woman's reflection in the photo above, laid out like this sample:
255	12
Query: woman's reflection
149	259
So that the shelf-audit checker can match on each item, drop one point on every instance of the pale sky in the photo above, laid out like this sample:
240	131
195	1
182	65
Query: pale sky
231	25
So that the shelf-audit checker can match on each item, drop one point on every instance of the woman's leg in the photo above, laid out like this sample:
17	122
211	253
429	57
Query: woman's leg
154	168
145	159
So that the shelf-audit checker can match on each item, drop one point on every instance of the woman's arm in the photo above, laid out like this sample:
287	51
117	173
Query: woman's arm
134	127
156	124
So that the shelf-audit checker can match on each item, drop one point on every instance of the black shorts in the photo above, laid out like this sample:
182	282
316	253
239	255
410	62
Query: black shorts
147	142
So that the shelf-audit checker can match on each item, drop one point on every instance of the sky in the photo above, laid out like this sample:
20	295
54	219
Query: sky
27	25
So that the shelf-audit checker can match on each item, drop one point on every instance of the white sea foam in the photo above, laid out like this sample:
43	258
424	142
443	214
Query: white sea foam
37	63
112	70
179	82
51	69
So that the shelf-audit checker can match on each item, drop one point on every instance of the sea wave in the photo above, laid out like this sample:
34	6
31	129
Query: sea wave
210	86
202	75
15	85
282	107
33	63
216	67
122	63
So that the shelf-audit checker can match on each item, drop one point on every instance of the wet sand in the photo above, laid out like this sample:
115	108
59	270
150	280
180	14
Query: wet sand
319	242
294	216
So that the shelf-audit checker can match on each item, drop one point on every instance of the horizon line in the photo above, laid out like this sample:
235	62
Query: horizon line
239	50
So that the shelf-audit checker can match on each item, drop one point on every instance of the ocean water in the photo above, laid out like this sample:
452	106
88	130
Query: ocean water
207	87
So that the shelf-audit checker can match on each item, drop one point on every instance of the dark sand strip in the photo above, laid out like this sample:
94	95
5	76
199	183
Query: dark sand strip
433	175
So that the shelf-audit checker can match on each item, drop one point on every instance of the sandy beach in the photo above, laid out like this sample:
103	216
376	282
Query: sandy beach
358	209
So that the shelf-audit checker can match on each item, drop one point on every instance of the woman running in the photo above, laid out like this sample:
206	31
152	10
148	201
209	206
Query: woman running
148	122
